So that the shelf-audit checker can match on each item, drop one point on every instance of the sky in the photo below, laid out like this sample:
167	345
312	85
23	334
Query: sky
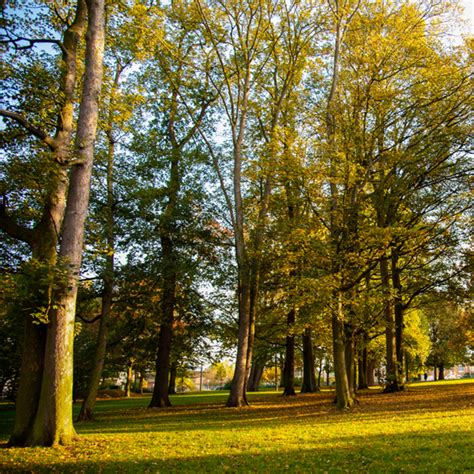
469	13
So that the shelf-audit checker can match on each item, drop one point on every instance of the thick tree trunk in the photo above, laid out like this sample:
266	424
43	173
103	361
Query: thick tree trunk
289	367
46	234
309	378
53	424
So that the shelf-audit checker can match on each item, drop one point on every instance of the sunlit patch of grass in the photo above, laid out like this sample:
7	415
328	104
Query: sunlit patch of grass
425	428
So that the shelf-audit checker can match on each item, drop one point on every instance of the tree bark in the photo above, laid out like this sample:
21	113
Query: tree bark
363	368
398	309
349	356
160	396
87	407
344	398
309	378
128	383
289	367
237	396
392	377
44	238
370	373
53	423
441	371
172	383
255	375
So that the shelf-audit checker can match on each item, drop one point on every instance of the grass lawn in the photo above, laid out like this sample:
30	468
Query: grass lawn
428	428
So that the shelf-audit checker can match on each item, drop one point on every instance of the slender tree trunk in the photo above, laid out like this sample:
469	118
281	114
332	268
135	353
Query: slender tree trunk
344	397
53	424
320	371
87	407
254	289
128	383
88	403
172	383
160	396
441	371
370	373
363	368
255	376
392	377
349	357
289	367
398	309
237	396
309	379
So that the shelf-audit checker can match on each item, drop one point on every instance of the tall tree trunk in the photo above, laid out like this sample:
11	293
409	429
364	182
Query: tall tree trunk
128	383
172	383
44	239
87	407
309	378
370	372
392	377
398	309
237	396
363	367
255	375
160	396
53	423
320	371
289	367
349	356
441	371
344	398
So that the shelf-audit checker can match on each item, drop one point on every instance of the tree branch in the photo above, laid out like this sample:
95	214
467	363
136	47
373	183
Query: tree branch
37	132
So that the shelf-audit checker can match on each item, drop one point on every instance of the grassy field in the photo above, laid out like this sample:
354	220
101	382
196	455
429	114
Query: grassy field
428	428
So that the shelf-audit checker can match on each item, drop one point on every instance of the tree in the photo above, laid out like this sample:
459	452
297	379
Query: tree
53	421
43	238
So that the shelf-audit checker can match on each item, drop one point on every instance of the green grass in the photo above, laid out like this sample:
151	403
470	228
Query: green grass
428	428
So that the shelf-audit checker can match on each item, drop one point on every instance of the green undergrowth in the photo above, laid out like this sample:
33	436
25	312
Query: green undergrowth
427	428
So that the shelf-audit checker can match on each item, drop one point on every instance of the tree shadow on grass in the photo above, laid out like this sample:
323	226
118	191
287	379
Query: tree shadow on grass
316	408
412	452
117	417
